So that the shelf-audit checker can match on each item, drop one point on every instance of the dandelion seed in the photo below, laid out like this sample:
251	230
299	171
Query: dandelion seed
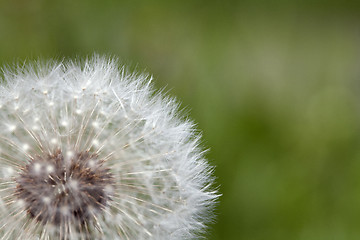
89	151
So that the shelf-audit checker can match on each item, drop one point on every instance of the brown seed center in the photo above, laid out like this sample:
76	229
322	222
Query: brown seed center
57	190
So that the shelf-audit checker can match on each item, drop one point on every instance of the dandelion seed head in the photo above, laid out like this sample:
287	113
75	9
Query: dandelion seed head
90	151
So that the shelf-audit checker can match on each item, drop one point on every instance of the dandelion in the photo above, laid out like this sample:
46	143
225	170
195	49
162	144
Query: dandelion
90	151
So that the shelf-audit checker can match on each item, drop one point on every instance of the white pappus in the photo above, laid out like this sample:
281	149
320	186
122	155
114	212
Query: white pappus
90	151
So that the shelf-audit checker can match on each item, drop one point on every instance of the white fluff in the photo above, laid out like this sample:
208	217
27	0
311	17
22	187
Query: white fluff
163	187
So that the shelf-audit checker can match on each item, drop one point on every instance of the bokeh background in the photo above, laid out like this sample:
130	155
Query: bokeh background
274	86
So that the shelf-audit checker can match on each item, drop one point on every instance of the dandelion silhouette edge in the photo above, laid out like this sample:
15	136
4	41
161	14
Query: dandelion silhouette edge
91	151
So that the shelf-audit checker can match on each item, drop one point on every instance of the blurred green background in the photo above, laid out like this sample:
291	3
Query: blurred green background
274	85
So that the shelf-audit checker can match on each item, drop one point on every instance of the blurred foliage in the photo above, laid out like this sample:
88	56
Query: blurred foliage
274	85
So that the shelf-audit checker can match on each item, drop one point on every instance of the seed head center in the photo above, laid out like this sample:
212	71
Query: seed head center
56	190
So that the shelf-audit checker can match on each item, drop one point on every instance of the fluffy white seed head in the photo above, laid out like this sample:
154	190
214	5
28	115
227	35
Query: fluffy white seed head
89	151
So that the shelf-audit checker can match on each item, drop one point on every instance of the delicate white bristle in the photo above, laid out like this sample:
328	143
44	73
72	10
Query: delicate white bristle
50	168
37	167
